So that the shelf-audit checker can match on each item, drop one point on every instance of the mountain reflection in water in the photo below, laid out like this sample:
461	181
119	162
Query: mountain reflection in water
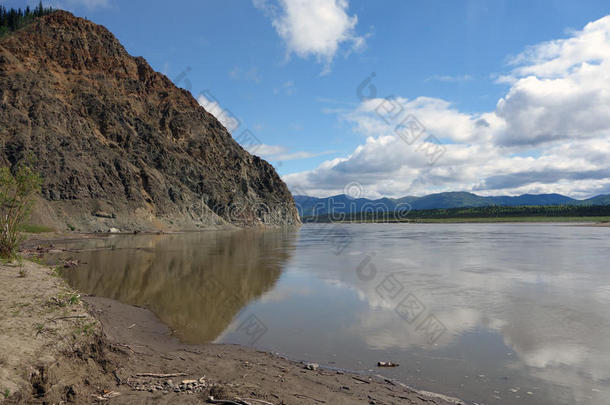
195	283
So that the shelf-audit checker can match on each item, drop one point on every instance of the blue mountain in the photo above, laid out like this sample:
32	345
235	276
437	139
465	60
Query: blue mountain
343	204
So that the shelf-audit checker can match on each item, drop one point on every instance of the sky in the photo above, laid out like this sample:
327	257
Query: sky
392	98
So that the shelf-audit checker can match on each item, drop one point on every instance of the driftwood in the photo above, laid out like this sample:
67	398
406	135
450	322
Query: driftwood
106	396
256	400
117	378
159	375
67	317
361	380
129	347
211	400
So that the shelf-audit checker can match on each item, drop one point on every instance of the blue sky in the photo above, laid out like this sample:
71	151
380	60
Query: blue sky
289	71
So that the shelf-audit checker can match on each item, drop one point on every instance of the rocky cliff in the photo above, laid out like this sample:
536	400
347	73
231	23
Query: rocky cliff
117	144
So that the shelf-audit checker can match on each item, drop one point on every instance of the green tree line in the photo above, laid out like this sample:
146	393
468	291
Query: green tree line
493	211
13	19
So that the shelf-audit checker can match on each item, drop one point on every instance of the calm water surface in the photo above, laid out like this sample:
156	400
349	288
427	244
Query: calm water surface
491	313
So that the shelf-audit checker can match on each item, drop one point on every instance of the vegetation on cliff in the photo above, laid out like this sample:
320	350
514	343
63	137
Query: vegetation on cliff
13	19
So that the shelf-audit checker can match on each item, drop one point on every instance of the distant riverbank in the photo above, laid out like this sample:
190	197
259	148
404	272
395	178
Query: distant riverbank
485	214
602	221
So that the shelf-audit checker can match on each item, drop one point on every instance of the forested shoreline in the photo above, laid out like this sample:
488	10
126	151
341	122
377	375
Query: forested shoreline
542	211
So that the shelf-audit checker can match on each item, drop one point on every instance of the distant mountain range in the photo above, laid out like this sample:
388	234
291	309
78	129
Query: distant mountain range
312	206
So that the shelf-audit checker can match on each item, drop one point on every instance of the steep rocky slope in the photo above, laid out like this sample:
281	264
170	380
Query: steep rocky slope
117	144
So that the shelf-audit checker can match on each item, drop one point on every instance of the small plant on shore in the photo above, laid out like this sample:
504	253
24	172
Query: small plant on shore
56	271
65	299
17	195
22	272
74	298
7	393
37	260
87	329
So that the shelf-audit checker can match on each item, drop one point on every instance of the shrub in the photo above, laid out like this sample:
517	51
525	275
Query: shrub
17	196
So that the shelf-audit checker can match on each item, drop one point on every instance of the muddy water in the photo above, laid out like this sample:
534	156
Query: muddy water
491	313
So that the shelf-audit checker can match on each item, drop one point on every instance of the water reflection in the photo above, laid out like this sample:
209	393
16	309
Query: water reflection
196	283
524	307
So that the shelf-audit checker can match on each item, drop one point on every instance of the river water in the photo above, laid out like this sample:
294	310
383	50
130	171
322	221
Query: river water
490	313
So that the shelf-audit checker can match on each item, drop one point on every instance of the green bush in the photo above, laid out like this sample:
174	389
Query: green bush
17	195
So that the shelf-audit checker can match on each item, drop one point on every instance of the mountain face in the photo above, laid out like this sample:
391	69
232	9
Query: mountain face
597	200
342	204
117	144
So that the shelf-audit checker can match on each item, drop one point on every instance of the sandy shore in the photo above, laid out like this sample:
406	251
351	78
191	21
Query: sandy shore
57	346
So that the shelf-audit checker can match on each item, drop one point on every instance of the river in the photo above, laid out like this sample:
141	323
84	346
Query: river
490	313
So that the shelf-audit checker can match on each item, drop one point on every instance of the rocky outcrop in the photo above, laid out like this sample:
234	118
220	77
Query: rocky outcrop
117	144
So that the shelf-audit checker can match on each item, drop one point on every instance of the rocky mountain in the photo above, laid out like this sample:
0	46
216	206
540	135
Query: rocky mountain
117	144
309	206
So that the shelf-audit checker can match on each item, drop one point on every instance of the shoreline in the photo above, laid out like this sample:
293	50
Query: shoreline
150	337
108	346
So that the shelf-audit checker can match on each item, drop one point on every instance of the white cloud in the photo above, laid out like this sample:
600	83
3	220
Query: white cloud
313	28
280	153
226	117
549	133
557	58
560	89
269	150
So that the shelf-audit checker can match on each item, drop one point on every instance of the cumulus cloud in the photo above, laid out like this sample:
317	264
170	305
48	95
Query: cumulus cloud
549	133
560	89
313	28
